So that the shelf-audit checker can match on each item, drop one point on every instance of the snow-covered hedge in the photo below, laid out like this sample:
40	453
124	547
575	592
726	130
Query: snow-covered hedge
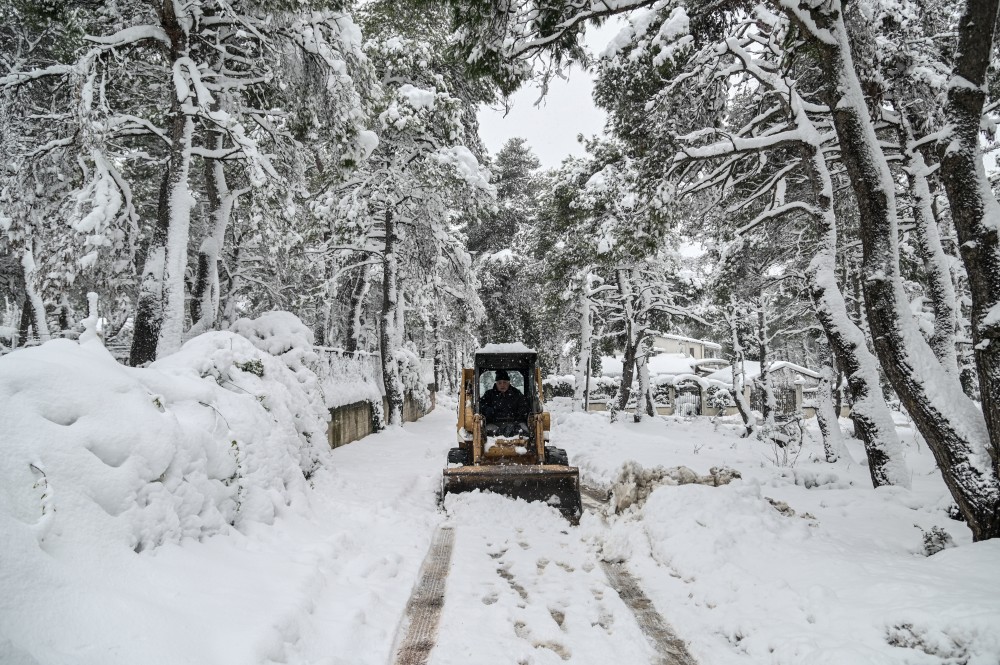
559	386
220	434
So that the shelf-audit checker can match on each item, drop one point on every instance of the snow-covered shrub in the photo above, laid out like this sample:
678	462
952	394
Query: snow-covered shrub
719	398
936	540
347	378
603	388
136	457
559	386
283	336
635	483
412	377
661	391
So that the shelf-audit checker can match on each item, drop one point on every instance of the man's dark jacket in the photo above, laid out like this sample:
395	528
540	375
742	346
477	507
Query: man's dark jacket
499	406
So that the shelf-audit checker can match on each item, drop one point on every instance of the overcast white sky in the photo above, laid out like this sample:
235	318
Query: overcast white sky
552	127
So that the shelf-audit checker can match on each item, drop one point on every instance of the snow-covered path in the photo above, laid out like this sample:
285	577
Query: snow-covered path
839	577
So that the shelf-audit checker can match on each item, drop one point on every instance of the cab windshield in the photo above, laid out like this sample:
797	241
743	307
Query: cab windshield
488	377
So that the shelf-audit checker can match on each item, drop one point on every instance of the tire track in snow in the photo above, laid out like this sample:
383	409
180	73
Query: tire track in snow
423	610
670	648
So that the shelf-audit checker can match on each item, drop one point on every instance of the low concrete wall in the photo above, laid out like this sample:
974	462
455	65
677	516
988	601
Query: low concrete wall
355	421
349	423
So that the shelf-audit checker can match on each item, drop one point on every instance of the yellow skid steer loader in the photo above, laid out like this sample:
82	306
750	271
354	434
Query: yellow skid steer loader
501	448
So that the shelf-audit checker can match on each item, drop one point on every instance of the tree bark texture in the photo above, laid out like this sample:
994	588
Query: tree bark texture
974	209
149	303
390	295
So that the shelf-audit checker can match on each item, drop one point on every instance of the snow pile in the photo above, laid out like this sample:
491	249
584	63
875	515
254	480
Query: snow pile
790	564
284	336
107	456
634	484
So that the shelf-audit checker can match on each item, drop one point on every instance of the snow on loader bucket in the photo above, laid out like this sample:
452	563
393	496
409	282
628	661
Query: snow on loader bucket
502	431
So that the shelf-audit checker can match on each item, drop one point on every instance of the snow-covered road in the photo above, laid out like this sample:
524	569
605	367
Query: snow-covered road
837	577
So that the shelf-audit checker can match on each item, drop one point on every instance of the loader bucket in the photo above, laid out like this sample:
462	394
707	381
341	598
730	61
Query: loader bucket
557	485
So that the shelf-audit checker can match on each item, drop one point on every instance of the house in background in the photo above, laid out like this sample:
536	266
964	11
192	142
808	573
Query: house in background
691	347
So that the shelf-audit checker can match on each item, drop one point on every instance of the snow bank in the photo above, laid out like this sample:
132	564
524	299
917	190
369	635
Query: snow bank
801	563
219	434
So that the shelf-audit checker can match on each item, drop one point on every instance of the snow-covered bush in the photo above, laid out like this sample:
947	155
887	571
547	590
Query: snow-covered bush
719	398
412	377
661	391
604	387
219	434
284	336
559	386
936	540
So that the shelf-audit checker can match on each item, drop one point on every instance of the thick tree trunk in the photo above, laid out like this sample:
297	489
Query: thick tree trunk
739	375
160	307
632	337
179	204
149	303
974	209
642	401
873	423
953	427
33	307
763	380
387	334
628	376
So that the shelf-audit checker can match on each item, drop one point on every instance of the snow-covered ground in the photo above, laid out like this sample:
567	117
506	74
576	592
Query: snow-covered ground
243	560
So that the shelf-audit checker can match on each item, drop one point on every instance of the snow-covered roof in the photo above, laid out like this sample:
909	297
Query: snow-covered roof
663	364
690	340
509	347
752	370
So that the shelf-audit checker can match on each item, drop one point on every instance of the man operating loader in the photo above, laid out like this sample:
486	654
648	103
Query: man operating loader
504	408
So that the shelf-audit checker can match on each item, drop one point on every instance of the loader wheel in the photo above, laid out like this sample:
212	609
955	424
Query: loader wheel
557	456
459	456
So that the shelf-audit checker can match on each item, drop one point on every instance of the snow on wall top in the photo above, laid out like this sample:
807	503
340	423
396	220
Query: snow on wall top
509	347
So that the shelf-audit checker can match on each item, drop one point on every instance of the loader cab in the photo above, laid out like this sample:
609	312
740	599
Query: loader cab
501	441
521	366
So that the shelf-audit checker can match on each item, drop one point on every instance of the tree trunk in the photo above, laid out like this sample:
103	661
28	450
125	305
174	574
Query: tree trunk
974	209
829	426
149	304
586	345
739	374
939	284
953	427
206	296
359	294
873	423
179	204
763	379
387	334
642	402
33	307
632	337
